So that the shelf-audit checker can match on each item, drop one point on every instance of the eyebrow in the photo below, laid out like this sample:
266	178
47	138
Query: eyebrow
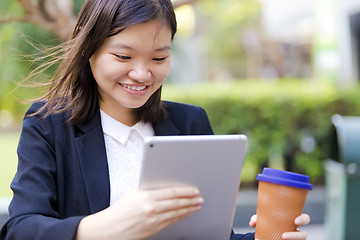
121	45
163	49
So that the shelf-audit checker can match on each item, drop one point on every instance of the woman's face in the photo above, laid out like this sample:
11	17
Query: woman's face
130	66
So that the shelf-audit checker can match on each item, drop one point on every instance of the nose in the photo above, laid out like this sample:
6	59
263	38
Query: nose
140	73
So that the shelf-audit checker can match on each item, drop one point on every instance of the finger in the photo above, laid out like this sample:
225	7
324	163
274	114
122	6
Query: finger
155	223
252	222
175	192
294	236
177	203
167	218
302	220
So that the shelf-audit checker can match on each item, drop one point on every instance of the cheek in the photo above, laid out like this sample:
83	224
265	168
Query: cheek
162	73
106	71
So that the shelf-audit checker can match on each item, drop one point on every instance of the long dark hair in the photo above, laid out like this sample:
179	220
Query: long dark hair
73	87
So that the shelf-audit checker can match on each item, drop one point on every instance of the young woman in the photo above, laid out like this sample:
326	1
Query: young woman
80	147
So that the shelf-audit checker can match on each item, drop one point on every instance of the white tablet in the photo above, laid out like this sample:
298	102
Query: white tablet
212	163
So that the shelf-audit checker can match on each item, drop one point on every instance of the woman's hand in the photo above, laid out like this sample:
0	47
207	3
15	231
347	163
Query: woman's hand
141	214
302	220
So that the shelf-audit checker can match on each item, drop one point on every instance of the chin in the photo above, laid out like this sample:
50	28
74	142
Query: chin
134	106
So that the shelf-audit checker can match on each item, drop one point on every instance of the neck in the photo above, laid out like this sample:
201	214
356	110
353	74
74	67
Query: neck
125	117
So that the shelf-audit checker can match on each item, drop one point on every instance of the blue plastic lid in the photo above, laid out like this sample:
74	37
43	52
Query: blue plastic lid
285	178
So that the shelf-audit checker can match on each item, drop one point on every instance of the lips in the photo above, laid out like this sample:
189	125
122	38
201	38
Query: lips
133	87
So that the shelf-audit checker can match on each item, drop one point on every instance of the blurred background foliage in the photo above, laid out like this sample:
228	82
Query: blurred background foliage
20	44
224	61
222	25
287	122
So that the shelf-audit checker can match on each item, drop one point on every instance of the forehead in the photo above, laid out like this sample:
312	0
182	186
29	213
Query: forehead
152	33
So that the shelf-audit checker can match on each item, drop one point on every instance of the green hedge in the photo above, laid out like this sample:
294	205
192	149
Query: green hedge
288	123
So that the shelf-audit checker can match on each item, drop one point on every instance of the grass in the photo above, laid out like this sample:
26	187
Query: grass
8	161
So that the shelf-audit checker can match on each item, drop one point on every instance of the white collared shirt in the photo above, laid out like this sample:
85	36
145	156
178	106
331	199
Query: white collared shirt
124	149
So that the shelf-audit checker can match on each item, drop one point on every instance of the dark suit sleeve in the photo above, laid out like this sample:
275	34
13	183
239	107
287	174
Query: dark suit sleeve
247	236
33	211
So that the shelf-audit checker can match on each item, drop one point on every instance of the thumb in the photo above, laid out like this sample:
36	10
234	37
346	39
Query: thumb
252	222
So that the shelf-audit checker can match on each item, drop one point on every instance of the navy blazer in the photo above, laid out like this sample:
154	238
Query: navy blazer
62	173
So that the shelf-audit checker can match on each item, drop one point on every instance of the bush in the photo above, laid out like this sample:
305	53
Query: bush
288	123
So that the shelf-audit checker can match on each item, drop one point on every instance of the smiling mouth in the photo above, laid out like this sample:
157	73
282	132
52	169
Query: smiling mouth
134	88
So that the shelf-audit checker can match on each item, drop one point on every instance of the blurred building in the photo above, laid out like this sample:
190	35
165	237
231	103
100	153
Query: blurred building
349	40
316	38
283	45
303	39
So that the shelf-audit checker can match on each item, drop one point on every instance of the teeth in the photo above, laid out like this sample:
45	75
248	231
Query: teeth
134	88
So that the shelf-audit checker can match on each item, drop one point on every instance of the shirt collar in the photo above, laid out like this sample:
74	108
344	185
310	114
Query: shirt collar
120	131
144	129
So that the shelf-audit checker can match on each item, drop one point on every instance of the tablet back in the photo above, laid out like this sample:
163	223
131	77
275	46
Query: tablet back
212	163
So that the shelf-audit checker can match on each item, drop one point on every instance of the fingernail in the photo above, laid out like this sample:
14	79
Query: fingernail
197	208
285	236
200	200
196	192
298	221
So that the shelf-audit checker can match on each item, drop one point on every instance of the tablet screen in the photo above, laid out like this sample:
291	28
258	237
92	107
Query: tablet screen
212	163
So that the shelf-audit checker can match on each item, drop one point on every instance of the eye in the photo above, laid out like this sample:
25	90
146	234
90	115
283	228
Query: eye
124	58
159	59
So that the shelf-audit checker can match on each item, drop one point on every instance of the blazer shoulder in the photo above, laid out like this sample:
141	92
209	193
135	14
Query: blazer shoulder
189	119
35	107
35	110
173	107
53	126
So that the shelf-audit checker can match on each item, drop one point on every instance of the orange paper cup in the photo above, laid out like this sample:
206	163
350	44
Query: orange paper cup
281	198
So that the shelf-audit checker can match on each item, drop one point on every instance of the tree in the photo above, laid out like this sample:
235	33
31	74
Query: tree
223	24
25	27
56	16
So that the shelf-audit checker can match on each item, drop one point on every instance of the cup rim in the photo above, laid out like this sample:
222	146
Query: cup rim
287	178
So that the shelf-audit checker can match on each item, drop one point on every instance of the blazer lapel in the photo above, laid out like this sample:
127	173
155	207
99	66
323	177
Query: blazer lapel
91	151
92	155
